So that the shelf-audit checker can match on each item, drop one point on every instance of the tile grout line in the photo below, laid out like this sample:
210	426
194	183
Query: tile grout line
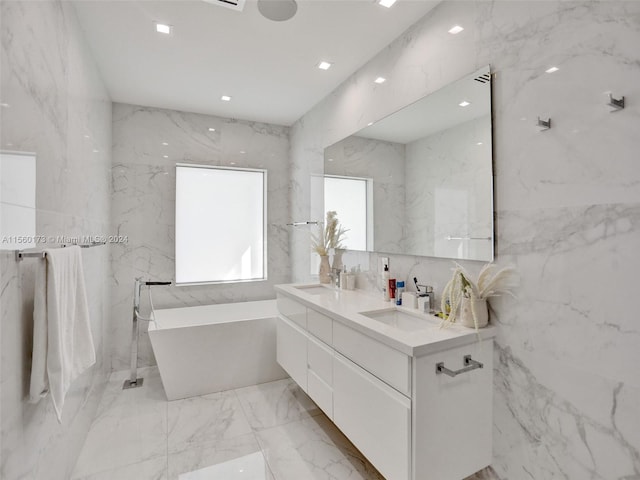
254	432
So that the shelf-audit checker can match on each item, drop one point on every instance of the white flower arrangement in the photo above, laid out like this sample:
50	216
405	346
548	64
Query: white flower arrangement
329	236
492	282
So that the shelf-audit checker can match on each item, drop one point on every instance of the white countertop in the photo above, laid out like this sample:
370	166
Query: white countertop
344	306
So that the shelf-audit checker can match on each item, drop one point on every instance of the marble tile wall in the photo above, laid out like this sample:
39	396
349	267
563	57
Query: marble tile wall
144	202
384	163
55	105
567	203
448	179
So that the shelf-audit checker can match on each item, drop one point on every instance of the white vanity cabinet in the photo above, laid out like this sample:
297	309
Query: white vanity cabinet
383	392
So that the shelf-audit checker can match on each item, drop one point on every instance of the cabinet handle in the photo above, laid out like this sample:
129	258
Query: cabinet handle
470	364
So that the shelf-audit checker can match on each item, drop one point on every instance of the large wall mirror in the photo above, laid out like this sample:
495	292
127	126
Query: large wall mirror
420	181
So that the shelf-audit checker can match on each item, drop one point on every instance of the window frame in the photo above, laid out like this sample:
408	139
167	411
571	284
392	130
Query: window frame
265	270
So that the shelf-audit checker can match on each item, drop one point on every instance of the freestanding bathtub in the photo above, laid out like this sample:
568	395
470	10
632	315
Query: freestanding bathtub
211	348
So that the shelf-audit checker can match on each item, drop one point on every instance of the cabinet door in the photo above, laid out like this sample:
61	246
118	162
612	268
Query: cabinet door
374	416
292	351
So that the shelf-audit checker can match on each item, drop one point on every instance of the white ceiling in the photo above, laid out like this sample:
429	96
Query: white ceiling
269	68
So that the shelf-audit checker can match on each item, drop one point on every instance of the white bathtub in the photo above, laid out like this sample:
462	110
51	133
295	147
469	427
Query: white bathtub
211	348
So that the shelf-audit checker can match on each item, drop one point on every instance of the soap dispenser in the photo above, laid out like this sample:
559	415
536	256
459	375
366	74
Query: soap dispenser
385	283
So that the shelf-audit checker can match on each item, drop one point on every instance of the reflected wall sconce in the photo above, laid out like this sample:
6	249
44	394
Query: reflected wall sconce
617	104
544	124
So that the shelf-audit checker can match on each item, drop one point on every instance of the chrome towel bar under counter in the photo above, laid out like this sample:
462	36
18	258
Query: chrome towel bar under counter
470	364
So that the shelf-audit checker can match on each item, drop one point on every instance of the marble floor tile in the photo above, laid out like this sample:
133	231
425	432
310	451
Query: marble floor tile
204	420
275	403
239	458
154	469
313	449
130	427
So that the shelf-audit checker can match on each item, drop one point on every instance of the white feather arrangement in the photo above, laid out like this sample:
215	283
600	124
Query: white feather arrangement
329	235
492	281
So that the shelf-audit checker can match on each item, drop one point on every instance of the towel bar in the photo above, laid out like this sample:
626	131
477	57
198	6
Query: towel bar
470	364
21	254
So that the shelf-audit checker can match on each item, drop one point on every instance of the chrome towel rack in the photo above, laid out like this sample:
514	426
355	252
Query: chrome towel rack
449	237
22	254
470	364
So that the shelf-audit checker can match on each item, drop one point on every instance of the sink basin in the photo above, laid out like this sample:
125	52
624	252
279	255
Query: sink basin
315	289
401	319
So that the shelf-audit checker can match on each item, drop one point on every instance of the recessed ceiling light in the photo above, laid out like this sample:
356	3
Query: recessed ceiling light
369	124
331	159
455	29
552	69
380	80
165	144
242	151
479	143
165	156
211	129
96	151
4	105
225	98
87	136
387	3
324	65
163	28
232	163
464	103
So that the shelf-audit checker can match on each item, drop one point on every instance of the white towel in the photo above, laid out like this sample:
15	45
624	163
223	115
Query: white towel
63	345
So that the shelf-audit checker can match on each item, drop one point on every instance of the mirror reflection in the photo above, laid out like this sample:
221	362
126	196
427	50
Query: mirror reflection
420	181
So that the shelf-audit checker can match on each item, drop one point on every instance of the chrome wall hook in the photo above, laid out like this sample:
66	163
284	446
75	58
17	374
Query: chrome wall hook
616	103
544	124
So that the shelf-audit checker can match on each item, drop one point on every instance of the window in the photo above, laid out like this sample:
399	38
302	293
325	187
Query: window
349	197
220	224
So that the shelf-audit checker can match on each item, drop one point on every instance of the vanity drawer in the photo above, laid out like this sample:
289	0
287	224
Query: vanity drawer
384	362
320	392
375	417
320	325
291	348
292	310
320	360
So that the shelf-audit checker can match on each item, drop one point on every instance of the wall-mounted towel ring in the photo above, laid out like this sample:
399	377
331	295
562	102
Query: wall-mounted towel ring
617	104
544	124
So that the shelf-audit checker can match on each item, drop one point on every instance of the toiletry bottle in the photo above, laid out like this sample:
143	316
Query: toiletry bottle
351	279
392	289
399	290
343	278
385	283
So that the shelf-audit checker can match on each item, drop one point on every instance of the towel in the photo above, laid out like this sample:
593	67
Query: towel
62	341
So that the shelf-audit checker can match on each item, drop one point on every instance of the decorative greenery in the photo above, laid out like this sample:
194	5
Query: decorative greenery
329	235
492	281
